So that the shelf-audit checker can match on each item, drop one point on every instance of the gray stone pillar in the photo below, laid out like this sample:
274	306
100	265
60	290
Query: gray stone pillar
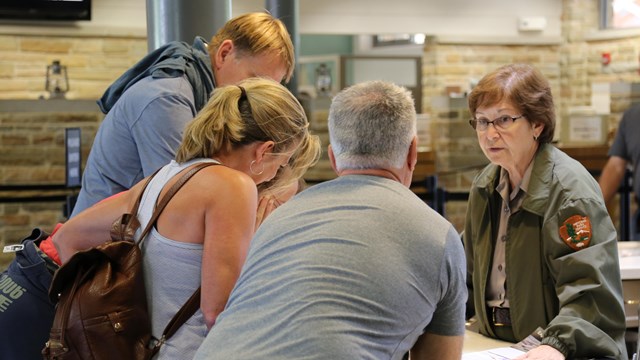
169	20
288	12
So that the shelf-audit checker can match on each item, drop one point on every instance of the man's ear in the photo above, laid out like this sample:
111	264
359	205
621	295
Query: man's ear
332	159
406	173
223	52
412	155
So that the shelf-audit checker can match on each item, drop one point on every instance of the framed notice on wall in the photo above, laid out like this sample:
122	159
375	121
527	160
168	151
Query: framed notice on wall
585	129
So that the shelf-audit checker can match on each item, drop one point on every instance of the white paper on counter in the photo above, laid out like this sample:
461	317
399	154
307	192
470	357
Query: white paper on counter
505	353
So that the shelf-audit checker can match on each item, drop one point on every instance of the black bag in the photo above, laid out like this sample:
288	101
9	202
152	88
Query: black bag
102	304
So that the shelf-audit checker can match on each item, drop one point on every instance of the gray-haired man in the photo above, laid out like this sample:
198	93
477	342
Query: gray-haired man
353	268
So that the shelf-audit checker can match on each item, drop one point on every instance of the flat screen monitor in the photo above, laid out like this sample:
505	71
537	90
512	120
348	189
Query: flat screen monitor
65	10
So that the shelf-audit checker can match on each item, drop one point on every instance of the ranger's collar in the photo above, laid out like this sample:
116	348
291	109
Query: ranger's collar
536	199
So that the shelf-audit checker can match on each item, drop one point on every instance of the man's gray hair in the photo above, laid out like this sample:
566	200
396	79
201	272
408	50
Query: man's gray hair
371	126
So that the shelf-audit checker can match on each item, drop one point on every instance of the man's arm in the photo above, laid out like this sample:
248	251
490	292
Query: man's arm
611	177
432	346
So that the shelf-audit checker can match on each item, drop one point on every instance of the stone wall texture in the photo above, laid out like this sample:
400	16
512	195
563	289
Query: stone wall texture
32	142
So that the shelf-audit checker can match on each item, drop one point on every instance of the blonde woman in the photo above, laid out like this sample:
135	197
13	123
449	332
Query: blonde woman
251	130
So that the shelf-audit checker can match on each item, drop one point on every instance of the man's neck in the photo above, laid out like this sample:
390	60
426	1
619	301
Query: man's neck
385	173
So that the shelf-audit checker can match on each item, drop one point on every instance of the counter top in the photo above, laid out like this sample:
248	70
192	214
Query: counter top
474	342
49	105
629	255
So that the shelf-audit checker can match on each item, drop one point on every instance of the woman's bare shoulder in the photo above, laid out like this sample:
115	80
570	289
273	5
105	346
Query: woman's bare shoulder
224	182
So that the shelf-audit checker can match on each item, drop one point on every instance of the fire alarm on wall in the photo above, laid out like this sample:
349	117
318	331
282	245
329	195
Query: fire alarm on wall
532	23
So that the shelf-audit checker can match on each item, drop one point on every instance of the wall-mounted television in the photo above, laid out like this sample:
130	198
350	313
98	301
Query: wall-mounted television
66	10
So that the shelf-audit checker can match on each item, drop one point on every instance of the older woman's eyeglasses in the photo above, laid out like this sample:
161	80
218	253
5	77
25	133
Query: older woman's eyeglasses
503	122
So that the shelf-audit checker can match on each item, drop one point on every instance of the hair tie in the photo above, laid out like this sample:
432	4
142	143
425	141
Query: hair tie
243	92
243	96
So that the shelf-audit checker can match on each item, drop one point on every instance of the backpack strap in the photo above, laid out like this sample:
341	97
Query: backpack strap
124	228
186	311
193	303
165	199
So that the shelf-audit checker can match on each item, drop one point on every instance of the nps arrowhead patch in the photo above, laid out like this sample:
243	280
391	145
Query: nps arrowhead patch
576	232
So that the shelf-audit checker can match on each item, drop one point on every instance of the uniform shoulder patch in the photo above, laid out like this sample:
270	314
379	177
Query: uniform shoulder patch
575	231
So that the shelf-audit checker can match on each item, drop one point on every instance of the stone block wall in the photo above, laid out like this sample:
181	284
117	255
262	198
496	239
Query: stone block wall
32	152
32	143
92	63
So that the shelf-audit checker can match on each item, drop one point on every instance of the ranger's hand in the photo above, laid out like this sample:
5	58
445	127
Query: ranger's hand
542	352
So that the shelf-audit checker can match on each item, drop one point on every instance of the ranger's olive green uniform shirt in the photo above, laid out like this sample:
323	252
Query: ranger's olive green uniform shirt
575	295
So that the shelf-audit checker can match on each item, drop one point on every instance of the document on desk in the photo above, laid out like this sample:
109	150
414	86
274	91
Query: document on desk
508	353
505	353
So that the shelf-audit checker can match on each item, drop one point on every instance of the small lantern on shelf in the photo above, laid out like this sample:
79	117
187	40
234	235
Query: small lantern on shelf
57	83
323	80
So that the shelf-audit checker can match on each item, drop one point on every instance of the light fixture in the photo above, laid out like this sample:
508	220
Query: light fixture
57	83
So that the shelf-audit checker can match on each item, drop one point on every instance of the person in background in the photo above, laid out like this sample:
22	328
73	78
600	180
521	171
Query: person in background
541	248
148	107
624	151
26	313
353	268
251	131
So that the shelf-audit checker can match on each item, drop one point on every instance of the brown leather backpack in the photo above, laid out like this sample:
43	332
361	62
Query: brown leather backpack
102	304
